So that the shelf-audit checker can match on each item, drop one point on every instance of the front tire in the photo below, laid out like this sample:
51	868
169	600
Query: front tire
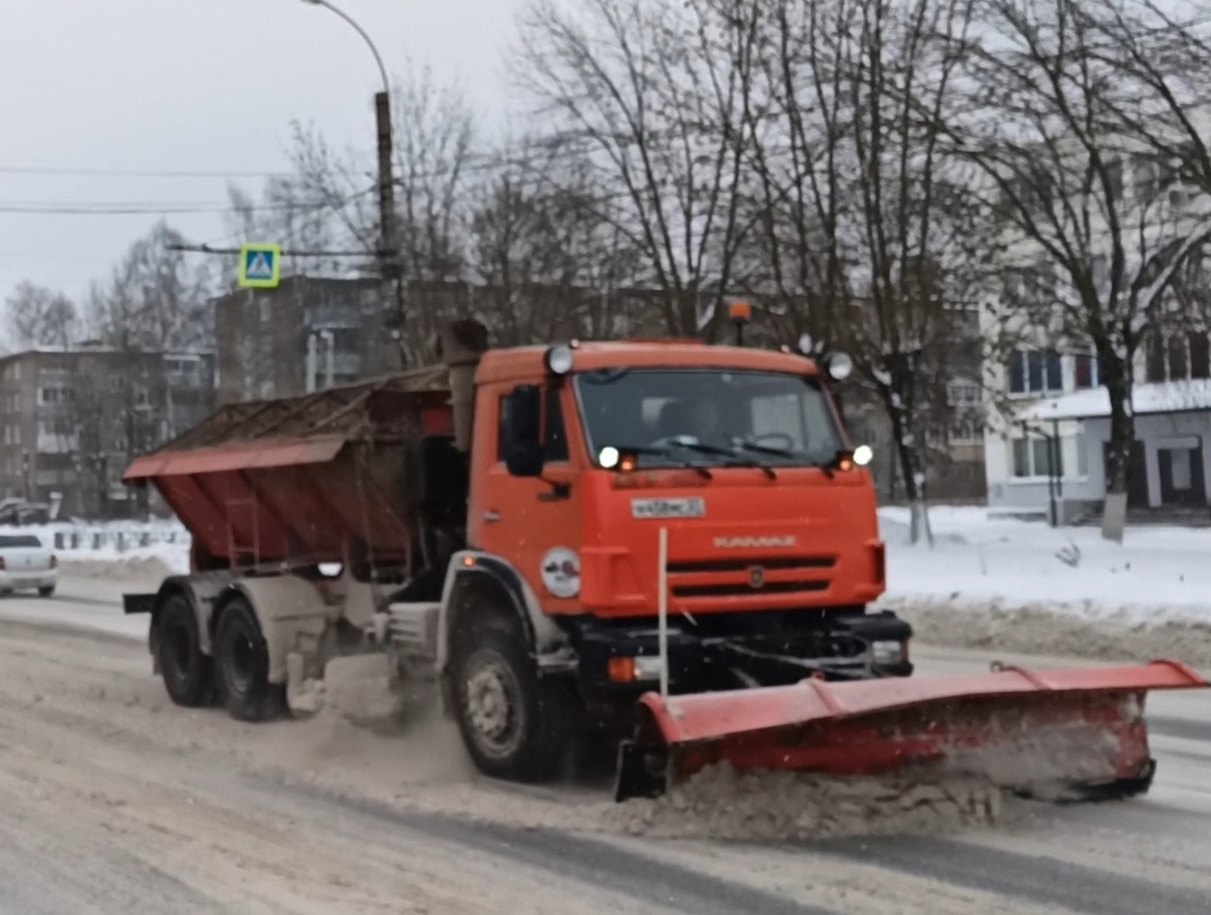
47	591
515	724
242	663
188	674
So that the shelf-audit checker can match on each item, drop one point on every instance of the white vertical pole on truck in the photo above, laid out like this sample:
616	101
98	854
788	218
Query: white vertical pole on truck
662	609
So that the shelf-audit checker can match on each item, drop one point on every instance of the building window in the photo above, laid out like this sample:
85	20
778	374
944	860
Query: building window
1032	457
1200	354
1085	371
1035	372
963	394
967	430
55	395
1178	357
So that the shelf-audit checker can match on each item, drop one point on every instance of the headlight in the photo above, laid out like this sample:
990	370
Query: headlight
608	457
559	360
561	572
839	366
863	455
886	653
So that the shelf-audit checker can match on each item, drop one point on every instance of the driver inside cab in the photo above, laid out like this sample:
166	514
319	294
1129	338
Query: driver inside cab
698	420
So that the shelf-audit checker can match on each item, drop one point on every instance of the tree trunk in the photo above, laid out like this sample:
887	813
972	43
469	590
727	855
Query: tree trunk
912	472
1116	376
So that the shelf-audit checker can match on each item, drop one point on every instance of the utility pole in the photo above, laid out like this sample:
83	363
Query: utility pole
388	253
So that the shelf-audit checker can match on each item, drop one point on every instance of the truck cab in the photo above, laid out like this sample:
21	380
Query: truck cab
583	458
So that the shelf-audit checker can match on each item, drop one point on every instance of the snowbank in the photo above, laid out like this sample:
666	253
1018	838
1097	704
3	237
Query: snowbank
1159	573
1024	586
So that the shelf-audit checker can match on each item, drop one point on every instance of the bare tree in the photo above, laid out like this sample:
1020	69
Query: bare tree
551	265
157	298
1047	126
653	93
868	240
433	154
40	316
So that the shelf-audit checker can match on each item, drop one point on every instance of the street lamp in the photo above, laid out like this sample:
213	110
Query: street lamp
388	237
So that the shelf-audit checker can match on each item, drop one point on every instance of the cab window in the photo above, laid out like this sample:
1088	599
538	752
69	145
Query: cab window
555	445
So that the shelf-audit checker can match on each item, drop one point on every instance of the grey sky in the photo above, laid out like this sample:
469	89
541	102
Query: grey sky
194	85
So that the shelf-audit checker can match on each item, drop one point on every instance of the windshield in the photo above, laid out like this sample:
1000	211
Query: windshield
708	417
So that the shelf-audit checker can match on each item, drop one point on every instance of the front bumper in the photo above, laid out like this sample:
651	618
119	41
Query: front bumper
839	648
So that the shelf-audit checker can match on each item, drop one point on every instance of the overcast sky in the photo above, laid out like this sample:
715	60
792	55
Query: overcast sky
151	86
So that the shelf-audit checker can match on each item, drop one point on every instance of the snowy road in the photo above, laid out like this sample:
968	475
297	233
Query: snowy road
116	801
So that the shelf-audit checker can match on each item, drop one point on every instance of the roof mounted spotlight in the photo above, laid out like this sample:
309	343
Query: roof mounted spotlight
839	366
559	359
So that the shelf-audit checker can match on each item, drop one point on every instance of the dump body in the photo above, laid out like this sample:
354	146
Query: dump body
303	481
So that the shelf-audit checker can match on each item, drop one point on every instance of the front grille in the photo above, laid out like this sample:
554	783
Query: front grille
778	563
746	590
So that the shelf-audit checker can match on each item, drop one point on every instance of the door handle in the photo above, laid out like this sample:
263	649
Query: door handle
491	517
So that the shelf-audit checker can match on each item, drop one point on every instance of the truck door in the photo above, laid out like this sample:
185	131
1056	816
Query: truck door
531	521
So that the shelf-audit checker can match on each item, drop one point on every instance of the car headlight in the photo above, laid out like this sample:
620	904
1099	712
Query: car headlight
887	653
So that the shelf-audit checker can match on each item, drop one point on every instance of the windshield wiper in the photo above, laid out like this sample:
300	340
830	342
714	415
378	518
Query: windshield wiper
735	459
704	472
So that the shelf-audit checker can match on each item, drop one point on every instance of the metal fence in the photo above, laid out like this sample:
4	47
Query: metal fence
88	539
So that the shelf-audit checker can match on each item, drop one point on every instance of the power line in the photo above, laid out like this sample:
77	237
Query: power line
135	173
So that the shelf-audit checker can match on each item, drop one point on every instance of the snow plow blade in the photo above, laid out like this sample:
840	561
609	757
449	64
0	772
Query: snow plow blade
1067	734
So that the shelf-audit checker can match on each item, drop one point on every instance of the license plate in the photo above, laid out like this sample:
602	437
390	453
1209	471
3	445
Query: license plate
668	508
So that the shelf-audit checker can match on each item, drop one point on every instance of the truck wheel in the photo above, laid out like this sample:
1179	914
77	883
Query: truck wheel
187	673
514	724
242	660
46	591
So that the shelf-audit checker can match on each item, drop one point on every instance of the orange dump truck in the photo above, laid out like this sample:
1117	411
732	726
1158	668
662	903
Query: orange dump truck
667	537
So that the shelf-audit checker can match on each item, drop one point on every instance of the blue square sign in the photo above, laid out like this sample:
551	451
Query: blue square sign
260	266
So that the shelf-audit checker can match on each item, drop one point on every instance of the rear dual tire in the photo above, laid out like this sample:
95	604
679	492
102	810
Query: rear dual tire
188	674
242	666
237	674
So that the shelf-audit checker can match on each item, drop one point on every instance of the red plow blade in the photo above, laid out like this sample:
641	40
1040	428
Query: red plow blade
1079	730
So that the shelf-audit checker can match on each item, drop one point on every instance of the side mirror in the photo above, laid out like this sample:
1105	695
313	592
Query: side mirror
521	427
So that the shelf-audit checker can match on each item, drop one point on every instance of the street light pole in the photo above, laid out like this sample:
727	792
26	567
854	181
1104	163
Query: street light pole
388	230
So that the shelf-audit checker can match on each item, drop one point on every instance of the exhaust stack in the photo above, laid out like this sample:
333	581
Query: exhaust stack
460	346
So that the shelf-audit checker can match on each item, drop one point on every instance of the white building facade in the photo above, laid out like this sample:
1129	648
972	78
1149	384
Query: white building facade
1049	425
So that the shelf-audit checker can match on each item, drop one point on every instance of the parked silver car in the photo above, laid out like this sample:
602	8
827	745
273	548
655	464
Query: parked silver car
27	565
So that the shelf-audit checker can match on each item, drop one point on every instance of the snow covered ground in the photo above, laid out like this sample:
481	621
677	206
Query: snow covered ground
1159	574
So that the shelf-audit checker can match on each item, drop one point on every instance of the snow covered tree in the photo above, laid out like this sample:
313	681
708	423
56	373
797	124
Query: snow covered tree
867	237
1047	125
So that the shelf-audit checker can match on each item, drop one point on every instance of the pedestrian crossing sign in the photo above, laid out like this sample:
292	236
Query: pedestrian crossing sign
260	266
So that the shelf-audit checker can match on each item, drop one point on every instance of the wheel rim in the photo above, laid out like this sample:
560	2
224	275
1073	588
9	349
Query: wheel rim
492	705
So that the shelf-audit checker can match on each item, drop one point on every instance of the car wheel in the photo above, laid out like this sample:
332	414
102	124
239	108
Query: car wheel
242	662
515	724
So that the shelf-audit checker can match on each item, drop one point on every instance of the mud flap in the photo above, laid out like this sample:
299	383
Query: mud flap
1067	734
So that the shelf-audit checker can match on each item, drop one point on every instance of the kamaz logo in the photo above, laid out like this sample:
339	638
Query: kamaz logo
752	543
